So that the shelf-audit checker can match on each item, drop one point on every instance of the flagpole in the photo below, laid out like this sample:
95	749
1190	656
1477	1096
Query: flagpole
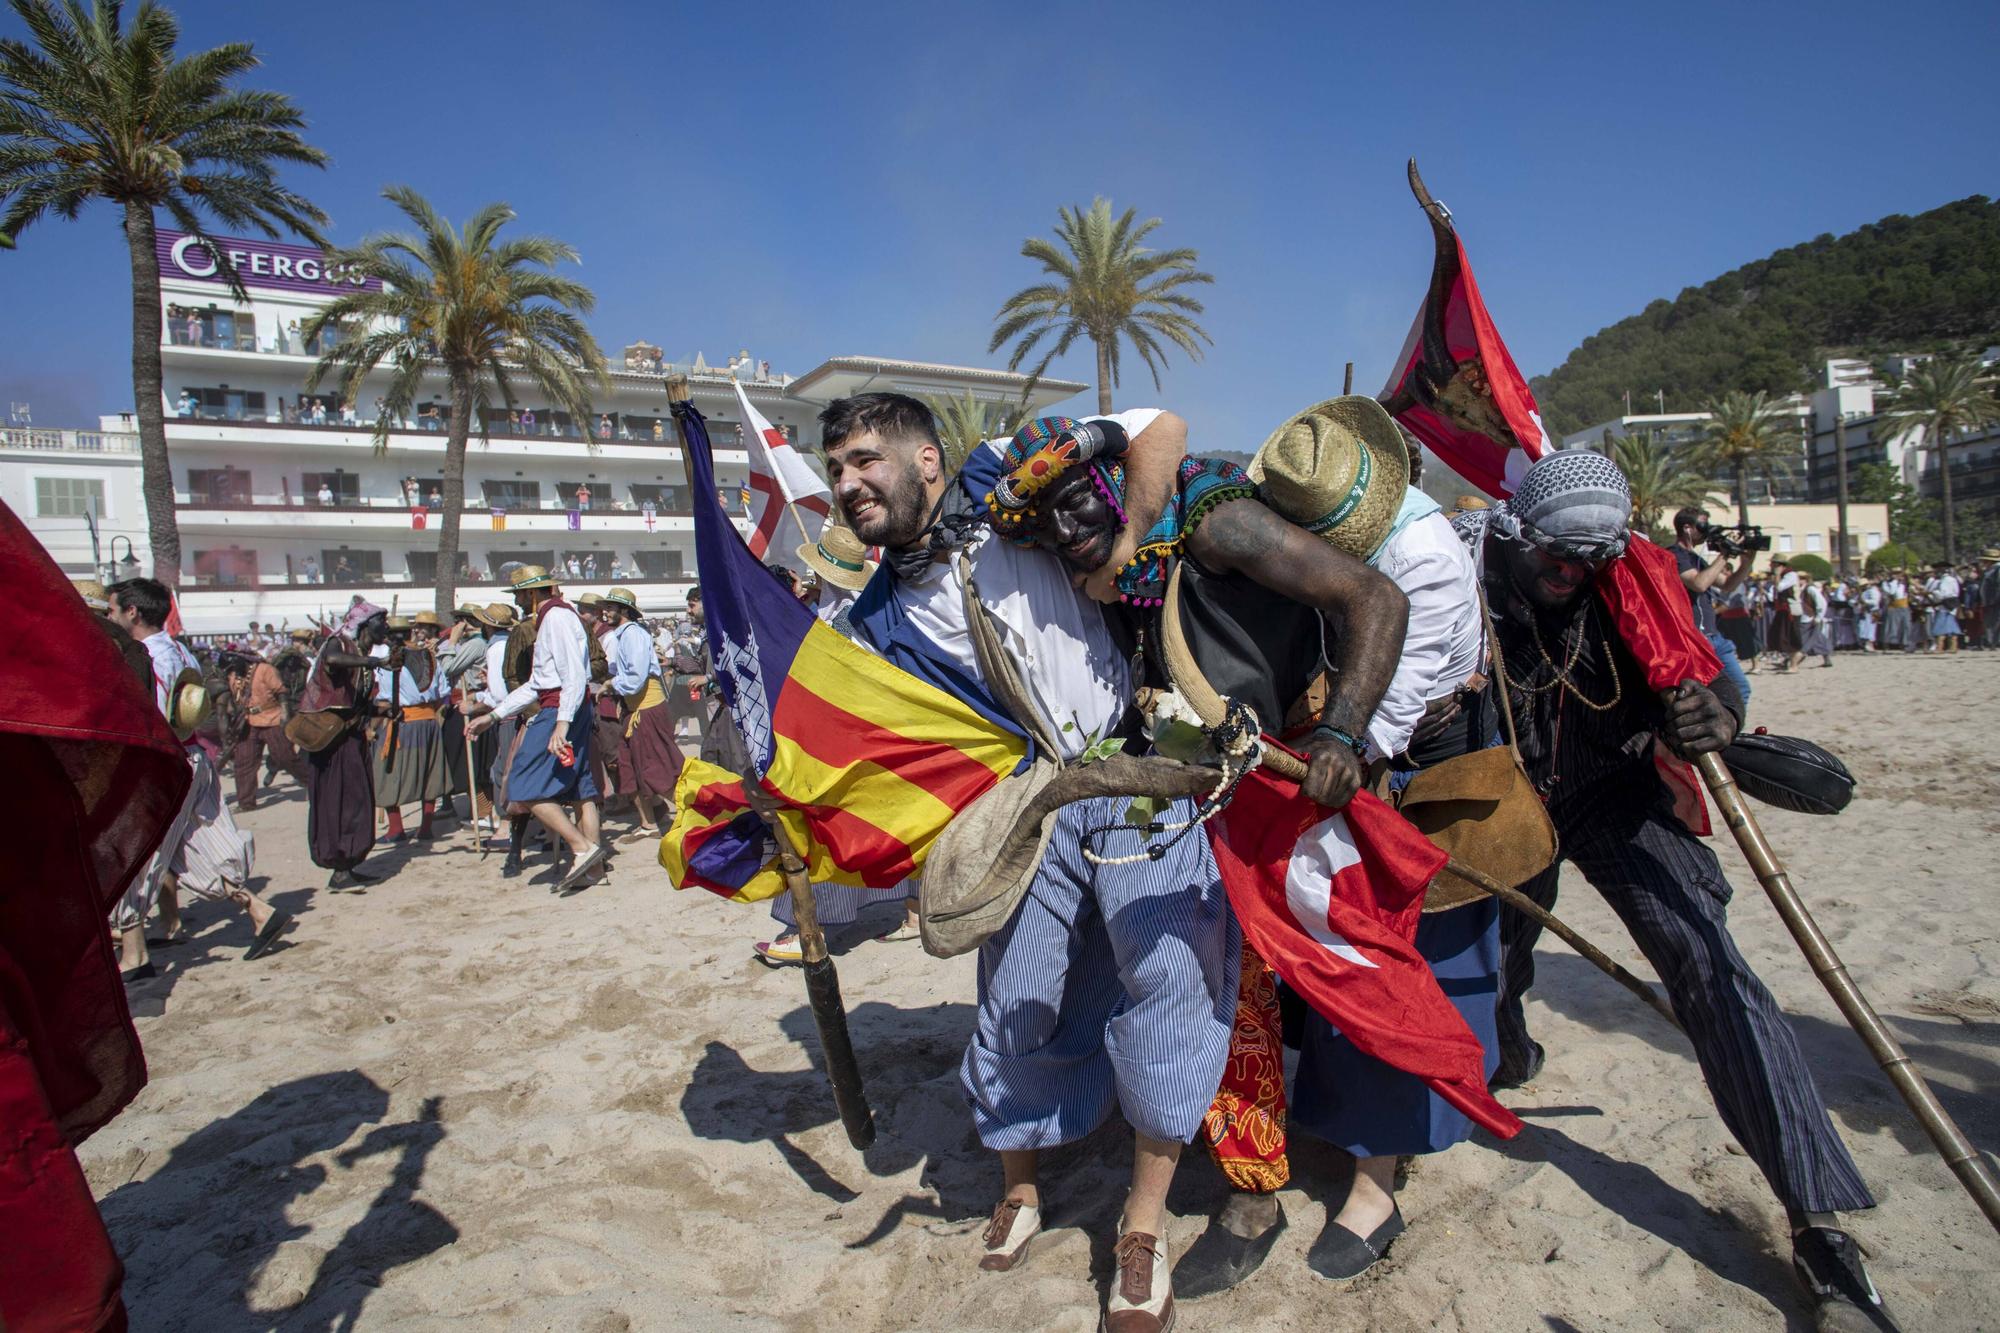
843	1072
1951	1143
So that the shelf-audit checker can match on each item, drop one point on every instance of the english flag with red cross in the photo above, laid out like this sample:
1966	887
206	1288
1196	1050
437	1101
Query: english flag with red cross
778	477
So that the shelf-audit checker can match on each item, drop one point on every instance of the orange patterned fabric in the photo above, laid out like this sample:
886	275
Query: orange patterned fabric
1245	1125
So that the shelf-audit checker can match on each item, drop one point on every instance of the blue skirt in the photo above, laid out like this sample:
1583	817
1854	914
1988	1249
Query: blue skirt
1944	622
536	776
1372	1109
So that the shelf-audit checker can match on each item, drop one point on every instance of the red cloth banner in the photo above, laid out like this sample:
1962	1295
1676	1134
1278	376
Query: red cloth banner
418	517
1331	900
1459	390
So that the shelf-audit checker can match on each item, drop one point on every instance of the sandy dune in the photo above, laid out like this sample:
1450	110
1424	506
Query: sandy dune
461	1102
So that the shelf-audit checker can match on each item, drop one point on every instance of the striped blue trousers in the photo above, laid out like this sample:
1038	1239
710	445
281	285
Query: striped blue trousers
1668	889
1112	986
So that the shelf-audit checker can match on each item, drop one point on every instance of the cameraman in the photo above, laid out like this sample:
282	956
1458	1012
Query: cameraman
1705	579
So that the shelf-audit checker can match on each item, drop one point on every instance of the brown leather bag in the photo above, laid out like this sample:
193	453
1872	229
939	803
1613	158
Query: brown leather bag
313	732
1481	807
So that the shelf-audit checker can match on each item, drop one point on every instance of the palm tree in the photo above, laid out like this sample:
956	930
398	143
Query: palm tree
484	311
1107	287
91	110
966	423
1659	477
1940	397
1746	433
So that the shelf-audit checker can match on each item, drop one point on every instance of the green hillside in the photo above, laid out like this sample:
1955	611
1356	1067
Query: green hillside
1901	284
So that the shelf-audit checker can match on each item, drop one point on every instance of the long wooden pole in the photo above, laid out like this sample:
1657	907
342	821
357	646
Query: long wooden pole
471	779
1958	1153
843	1072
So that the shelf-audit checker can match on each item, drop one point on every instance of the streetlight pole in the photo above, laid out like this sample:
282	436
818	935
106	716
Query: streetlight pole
1840	471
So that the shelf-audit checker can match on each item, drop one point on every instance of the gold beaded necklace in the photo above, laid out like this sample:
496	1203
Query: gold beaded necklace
1562	673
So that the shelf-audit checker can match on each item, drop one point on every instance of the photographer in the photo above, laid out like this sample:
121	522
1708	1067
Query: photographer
1708	579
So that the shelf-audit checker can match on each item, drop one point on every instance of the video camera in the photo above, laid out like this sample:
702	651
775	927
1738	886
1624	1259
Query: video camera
1742	539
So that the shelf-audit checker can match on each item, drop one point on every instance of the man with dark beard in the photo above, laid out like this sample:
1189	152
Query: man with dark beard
340	798
1588	727
1113	985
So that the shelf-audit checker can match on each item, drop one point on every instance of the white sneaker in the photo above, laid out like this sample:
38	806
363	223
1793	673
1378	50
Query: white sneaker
1142	1298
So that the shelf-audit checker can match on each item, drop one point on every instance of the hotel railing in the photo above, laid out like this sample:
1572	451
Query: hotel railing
69	441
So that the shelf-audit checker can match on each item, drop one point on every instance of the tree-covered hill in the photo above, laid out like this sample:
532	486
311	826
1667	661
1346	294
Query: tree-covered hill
1901	284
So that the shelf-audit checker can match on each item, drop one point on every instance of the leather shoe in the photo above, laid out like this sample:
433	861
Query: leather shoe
1827	1263
1219	1259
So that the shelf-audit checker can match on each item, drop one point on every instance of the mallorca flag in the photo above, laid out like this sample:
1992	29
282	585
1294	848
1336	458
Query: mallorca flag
866	762
1330	899
778	477
1454	386
499	520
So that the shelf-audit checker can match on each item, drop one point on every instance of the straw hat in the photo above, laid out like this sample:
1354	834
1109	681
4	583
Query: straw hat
93	594
302	636
622	597
589	599
399	623
531	576
496	615
427	618
188	704
1338	469
1466	504
1990	553
466	610
839	558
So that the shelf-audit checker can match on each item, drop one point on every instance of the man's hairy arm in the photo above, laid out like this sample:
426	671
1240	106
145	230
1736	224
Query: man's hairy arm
1369	613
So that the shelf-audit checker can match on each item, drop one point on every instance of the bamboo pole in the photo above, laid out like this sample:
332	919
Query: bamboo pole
1958	1153
471	779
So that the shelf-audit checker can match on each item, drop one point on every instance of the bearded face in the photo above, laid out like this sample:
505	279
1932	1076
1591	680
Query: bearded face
1074	520
883	487
1549	582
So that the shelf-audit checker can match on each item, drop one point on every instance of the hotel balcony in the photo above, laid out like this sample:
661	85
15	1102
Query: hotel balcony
382	517
360	439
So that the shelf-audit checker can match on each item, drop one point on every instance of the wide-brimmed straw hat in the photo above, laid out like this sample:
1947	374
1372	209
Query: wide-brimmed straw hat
496	615
303	635
589	599
1338	469
427	618
531	576
399	623
622	597
465	611
93	594
1990	553
839	557
188	704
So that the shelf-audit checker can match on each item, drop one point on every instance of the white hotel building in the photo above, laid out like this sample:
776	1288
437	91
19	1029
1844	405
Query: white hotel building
251	459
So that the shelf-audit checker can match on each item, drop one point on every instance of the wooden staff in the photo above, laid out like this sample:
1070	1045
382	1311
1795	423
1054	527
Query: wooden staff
471	778
850	1098
1959	1154
843	1071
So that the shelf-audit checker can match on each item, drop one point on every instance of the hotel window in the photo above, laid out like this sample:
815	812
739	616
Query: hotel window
1814	541
1874	540
1785	543
225	486
223	403
68	497
504	562
346	486
423	567
513	495
347	566
232	568
665	499
656	564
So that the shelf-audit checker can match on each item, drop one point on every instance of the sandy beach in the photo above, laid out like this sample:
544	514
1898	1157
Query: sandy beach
457	1101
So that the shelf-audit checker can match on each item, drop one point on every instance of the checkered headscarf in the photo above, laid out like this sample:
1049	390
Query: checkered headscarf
1573	502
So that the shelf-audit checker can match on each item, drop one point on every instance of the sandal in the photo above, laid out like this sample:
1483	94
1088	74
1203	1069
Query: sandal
780	953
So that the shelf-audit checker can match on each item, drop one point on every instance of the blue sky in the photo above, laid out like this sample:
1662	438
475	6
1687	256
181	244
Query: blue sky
816	180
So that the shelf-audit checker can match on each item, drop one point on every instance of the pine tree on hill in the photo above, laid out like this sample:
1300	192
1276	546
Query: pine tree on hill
1900	284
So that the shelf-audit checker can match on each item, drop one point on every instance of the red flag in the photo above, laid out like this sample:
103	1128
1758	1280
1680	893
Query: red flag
96	779
1331	900
173	625
1454	386
1649	608
417	518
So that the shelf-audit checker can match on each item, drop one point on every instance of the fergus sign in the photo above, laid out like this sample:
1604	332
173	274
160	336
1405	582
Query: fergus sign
290	268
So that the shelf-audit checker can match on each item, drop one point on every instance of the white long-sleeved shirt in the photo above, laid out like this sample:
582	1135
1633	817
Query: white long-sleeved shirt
495	688
169	660
1445	642
631	657
409	693
562	663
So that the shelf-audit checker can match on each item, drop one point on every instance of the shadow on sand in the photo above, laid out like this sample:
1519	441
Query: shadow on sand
197	1233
